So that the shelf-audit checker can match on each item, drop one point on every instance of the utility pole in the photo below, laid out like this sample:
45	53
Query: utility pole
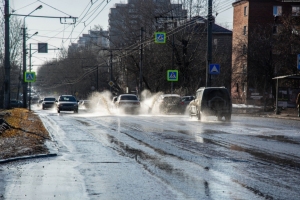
141	63
209	43
111	56
173	62
7	59
24	68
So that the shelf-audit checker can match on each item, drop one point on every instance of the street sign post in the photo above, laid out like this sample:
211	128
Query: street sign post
110	83
172	75
29	77
214	69
298	62
43	47
160	37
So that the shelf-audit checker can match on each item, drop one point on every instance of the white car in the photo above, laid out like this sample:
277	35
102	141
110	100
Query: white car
128	103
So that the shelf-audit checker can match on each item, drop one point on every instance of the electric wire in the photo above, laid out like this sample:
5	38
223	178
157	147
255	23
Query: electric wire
80	22
146	42
53	8
25	6
95	17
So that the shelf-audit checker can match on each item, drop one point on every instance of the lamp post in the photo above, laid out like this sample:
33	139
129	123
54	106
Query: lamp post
24	59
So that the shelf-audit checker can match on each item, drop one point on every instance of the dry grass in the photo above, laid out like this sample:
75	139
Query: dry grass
25	136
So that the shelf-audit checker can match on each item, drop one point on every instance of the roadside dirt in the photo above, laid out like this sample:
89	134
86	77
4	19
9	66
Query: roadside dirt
21	134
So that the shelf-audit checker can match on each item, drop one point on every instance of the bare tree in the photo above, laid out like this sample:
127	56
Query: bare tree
15	53
268	51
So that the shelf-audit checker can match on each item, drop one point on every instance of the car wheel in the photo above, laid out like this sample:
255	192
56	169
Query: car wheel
43	108
75	111
58	111
228	117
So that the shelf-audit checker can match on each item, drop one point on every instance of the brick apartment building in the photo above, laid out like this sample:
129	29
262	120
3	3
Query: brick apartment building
248	16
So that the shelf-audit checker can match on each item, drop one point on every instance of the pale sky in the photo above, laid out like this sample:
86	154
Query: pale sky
58	33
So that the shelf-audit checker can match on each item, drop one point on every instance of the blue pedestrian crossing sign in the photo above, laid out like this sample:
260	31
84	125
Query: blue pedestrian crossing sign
29	77
160	37
172	75
214	69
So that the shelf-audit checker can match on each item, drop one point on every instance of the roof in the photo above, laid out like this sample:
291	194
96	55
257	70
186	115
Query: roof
216	29
292	76
170	95
219	29
126	95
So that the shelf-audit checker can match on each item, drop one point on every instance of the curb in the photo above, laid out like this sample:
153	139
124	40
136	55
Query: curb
27	157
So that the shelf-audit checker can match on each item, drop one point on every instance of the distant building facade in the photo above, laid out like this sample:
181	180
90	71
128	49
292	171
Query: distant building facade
247	16
94	39
126	20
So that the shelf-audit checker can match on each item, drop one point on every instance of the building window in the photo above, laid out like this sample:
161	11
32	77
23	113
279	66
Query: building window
245	11
244	70
244	87
245	30
244	49
296	30
132	10
277	10
295	10
215	41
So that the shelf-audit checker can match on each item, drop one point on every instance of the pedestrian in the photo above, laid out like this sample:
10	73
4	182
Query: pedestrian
298	104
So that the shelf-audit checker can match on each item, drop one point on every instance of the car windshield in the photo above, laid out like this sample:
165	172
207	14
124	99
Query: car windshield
187	98
67	98
128	98
172	99
49	99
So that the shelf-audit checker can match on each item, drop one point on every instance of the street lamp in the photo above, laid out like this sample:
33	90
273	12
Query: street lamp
24	59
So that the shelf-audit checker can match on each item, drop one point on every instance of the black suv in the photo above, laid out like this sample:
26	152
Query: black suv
67	103
211	101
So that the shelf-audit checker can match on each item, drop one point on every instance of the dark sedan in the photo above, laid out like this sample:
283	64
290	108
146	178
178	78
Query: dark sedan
15	103
169	103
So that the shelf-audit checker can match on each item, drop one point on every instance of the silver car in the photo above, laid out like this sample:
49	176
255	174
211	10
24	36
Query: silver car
128	103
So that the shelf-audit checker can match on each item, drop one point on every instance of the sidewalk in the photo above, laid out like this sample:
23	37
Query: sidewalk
287	113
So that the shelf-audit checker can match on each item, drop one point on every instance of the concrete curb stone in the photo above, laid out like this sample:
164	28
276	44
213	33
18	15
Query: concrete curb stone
27	157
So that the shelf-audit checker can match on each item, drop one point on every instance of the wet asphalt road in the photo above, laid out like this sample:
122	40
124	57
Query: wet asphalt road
108	156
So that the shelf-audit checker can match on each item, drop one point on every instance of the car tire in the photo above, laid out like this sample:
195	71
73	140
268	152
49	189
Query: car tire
43	108
75	111
58	111
228	117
